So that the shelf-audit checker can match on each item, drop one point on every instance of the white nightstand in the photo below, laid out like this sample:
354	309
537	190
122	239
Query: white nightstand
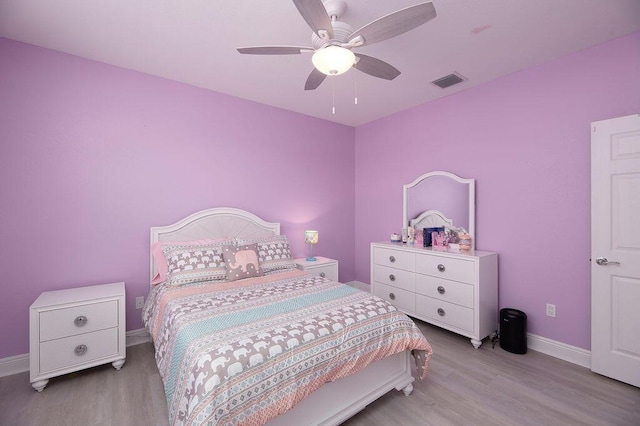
323	266
74	329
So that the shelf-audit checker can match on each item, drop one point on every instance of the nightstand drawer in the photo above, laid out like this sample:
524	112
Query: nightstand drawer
404	300
447	268
444	312
449	291
326	271
76	350
57	323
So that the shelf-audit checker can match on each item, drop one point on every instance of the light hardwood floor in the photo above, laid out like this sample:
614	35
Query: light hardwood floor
464	387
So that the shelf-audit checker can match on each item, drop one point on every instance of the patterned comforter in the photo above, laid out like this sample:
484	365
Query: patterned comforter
244	352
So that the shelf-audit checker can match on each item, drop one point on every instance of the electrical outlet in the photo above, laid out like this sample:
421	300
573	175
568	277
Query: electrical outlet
551	310
140	302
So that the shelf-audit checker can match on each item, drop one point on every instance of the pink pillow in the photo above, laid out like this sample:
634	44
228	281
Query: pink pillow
160	260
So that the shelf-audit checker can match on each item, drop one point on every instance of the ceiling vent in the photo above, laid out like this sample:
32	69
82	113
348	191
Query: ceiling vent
449	80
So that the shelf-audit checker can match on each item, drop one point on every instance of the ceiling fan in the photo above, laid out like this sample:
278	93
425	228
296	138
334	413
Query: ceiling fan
334	40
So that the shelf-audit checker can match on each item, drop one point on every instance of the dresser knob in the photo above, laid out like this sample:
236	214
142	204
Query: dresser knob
80	350
322	274
392	259
80	321
392	296
441	267
392	277
440	289
441	312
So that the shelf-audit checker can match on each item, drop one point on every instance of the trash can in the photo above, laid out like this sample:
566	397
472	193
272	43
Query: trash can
513	331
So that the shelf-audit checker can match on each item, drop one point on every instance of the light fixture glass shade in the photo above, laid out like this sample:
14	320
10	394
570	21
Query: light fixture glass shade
333	60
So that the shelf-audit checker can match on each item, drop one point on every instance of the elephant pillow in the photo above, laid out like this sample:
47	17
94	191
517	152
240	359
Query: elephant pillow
242	262
273	253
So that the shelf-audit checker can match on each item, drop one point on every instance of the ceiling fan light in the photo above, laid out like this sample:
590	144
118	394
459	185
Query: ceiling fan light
333	60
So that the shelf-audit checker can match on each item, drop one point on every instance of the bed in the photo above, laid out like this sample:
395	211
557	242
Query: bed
283	347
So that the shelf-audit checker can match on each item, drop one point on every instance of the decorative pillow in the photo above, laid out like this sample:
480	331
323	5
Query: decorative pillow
242	262
273	253
161	261
198	261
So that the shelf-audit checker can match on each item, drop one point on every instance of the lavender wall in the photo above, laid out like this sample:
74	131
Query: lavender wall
91	156
525	138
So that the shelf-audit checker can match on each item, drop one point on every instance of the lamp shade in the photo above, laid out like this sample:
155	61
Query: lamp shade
333	60
311	237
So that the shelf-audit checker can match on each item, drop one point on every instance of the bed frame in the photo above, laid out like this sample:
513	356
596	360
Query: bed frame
336	401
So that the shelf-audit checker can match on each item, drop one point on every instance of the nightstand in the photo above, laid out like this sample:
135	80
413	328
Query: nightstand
323	266
74	329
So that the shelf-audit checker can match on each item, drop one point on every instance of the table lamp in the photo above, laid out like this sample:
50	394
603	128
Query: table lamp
311	238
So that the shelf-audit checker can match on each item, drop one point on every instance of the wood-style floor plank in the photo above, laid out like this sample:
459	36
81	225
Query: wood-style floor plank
465	386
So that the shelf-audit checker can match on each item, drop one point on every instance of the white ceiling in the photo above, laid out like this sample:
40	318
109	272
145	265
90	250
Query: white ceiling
194	42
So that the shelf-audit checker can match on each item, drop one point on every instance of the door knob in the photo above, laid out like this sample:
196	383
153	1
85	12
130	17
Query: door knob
603	261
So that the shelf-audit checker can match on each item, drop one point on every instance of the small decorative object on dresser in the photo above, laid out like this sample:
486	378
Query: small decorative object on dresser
323	266
311	238
74	329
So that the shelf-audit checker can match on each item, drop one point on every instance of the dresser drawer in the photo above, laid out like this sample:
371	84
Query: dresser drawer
401	299
326	271
395	277
394	259
449	291
60	353
57	323
444	312
445	267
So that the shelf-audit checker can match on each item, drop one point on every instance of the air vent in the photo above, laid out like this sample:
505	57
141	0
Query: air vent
449	80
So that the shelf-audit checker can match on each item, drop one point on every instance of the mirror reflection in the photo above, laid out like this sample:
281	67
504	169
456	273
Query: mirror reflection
445	192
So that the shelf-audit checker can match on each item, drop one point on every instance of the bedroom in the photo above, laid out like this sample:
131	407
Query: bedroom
94	155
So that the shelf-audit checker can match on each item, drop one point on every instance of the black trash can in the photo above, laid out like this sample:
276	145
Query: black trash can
513	331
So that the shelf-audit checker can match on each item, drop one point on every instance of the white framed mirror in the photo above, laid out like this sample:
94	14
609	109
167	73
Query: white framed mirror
440	199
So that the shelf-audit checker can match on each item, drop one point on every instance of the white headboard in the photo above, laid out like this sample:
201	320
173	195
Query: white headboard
431	219
213	223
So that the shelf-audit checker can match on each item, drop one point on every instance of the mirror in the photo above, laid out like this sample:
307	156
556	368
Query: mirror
444	192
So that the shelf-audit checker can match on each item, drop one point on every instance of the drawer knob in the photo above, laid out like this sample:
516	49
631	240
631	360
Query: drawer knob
392	259
322	274
392	277
392	296
441	267
441	289
441	312
80	350
80	321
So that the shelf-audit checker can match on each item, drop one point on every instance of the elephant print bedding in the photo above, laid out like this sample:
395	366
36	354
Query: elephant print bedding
244	352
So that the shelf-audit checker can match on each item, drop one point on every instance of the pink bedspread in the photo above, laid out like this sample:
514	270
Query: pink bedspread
245	352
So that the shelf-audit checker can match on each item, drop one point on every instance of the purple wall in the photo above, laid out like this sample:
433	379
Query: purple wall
92	156
525	138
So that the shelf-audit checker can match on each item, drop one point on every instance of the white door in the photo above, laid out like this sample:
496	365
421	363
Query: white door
615	248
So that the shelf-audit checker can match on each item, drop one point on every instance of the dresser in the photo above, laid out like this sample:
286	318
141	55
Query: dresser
322	266
455	291
76	329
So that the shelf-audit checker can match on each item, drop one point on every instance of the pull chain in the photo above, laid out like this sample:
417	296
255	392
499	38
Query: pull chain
355	79
333	95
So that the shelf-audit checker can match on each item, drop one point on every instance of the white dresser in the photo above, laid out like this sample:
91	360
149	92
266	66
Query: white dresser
456	291
74	329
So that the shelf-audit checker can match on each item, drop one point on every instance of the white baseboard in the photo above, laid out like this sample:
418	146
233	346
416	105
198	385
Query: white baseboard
560	350
360	285
20	363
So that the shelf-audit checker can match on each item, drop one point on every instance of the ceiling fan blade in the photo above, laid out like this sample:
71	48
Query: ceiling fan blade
274	50
315	14
375	67
314	80
395	23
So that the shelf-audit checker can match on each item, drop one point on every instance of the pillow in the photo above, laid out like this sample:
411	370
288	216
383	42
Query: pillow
195	261
242	262
273	253
161	261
